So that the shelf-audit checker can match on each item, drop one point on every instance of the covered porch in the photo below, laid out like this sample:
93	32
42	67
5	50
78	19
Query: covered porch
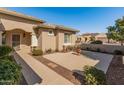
18	39
17	34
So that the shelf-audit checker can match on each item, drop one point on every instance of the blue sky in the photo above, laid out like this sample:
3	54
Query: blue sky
85	19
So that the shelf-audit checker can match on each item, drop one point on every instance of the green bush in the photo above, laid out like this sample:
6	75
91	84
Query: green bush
10	72
94	76
37	52
97	42
5	50
118	52
7	58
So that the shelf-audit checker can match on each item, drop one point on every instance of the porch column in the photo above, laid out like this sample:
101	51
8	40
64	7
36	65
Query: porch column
34	40
0	38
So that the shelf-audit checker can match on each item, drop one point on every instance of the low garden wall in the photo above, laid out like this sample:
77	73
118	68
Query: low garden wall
102	48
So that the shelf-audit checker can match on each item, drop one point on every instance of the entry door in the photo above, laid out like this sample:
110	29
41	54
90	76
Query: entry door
16	41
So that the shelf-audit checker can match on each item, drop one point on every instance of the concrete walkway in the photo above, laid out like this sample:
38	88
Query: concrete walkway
37	73
64	72
76	63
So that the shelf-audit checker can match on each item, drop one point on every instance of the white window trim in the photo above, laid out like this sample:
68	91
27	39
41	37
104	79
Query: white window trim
69	38
66	44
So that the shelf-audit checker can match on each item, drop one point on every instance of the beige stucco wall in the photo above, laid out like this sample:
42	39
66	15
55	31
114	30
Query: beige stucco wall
60	40
18	19
13	24
0	37
46	41
73	38
54	42
23	40
19	25
103	48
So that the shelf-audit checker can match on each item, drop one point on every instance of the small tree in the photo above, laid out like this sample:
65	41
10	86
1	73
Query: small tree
111	32
116	32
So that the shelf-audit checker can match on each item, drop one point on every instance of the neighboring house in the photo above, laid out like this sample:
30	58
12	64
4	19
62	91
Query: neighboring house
87	37
102	37
21	31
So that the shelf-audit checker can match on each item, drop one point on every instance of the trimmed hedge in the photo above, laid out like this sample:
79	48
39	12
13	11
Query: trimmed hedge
37	52
94	76
97	42
118	52
5	50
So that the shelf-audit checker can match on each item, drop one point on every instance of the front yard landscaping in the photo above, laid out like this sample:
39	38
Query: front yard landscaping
72	67
115	73
10	72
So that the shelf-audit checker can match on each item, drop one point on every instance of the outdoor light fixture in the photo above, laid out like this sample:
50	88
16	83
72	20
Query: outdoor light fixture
24	35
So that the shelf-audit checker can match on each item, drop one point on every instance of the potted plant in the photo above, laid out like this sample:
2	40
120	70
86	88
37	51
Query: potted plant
78	50
64	49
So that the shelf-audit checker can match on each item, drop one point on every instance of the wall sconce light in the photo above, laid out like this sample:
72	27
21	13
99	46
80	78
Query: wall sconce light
24	35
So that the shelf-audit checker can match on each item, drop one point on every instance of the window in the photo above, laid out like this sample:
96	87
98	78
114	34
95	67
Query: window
67	38
50	33
3	38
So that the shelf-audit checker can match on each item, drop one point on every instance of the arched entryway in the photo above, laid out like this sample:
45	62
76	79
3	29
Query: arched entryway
18	39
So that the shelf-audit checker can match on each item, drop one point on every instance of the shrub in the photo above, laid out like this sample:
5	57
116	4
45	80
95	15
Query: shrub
118	52
37	52
5	50
97	42
56	50
49	50
10	72
87	48
7	58
70	48
94	76
98	50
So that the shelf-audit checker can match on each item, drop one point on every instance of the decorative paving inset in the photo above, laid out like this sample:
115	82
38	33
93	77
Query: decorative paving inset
66	73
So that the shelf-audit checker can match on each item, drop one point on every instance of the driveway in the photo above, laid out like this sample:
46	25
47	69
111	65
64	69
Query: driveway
76	63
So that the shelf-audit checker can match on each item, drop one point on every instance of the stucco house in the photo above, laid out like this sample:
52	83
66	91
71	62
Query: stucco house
21	31
97	36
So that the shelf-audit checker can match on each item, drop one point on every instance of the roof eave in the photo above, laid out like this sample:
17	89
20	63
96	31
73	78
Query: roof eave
71	30
22	16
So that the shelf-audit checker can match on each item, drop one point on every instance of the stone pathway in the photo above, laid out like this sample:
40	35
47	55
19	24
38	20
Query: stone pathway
66	73
115	73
